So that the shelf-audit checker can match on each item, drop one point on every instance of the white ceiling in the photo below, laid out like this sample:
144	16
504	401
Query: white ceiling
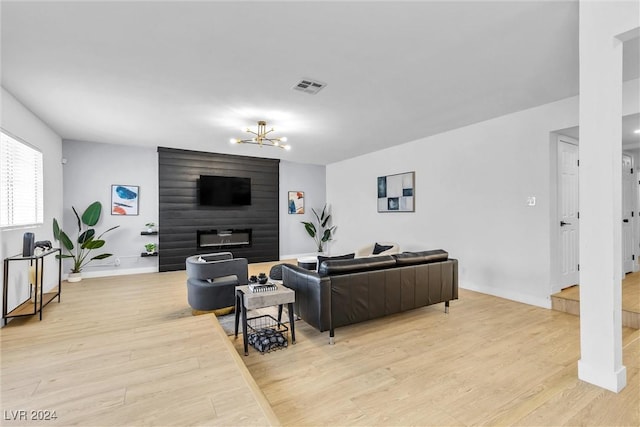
192	74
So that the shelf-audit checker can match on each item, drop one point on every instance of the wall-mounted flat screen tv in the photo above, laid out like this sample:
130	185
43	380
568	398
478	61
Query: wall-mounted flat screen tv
224	191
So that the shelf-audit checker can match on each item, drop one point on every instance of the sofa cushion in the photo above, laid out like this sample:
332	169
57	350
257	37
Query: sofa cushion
423	257
378	249
346	266
321	258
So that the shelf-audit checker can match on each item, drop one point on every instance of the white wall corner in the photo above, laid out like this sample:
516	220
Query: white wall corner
543	302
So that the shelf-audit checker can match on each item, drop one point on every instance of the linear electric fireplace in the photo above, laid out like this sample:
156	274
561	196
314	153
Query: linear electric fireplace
224	239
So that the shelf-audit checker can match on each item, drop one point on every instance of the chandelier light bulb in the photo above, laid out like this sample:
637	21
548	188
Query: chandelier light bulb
636	131
283	139
287	147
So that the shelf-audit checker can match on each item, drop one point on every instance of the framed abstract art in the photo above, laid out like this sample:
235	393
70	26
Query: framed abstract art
396	193
295	204
124	199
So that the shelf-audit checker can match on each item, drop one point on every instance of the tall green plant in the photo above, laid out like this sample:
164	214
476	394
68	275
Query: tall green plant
323	232
86	240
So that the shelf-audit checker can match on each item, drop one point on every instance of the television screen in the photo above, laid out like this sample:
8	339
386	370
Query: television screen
224	191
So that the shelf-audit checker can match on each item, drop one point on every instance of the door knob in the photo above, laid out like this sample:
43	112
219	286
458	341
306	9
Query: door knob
625	220
562	223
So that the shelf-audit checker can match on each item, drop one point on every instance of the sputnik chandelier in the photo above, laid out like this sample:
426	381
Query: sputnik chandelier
262	138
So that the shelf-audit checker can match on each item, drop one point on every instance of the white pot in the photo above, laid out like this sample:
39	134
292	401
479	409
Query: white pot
74	277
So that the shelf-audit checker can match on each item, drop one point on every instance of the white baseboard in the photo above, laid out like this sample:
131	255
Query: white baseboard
507	294
296	256
115	272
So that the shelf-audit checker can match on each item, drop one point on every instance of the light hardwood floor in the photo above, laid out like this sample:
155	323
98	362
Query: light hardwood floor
490	361
568	300
126	351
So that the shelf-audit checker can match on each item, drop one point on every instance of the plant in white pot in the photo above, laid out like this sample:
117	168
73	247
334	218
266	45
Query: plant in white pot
321	233
150	227
85	242
150	248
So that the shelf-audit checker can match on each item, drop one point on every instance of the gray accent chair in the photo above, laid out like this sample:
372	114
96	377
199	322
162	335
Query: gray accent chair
212	278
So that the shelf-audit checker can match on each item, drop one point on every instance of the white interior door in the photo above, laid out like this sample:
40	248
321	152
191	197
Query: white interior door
628	187
568	225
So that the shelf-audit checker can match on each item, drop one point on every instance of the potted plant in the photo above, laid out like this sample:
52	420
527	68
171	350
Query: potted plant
85	242
151	248
323	232
150	226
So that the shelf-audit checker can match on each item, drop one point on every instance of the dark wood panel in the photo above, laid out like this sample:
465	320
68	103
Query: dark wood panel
181	216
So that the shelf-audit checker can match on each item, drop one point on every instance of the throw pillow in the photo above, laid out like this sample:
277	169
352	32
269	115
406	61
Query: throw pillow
329	258
378	249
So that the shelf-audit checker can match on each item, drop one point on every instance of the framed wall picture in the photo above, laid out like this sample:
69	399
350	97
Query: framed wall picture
124	199
396	193
295	204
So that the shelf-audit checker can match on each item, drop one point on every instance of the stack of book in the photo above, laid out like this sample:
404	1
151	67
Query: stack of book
256	287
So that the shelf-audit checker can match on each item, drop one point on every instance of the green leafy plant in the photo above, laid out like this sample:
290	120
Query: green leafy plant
321	233
150	224
86	240
150	247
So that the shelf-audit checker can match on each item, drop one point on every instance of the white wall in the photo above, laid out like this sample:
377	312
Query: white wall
294	240
472	185
19	121
90	170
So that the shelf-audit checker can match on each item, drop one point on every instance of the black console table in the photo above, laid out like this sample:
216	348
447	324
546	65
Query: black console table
37	298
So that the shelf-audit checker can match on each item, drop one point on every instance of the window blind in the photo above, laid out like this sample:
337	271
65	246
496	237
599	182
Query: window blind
21	183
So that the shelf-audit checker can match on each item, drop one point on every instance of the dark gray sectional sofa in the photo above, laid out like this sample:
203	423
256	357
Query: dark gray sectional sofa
348	291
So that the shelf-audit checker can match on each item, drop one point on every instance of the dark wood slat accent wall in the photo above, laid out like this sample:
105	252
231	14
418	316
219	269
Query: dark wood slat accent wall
181	216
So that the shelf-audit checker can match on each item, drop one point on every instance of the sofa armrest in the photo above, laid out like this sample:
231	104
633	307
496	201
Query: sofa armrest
313	295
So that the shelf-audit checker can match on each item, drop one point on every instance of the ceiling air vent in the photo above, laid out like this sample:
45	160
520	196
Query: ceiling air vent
309	86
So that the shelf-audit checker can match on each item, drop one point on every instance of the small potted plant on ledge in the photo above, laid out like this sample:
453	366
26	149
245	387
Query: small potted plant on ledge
150	227
151	248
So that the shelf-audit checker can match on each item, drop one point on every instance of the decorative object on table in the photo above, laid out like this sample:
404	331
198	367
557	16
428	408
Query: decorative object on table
27	244
150	227
262	138
266	287
124	199
296	202
262	278
150	247
396	192
42	246
323	232
86	240
253	279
